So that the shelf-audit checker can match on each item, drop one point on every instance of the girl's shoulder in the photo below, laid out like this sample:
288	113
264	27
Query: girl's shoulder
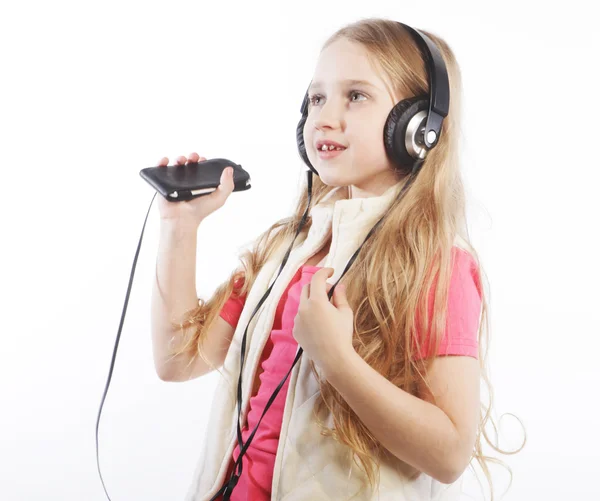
462	244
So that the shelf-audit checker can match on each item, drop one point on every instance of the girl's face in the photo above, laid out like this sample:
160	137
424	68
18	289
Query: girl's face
352	114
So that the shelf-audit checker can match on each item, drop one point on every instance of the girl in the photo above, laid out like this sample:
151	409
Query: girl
384	402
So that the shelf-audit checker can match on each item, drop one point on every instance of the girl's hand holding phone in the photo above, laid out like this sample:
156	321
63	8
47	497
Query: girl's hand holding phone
192	212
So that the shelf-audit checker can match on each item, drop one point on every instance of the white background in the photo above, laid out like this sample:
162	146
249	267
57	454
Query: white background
92	92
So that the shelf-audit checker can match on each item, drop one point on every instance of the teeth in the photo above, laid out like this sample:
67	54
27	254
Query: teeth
330	147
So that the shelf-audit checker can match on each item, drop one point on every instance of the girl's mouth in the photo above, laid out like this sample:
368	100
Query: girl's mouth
327	154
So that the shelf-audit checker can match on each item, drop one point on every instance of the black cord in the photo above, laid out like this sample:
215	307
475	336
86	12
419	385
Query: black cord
114	356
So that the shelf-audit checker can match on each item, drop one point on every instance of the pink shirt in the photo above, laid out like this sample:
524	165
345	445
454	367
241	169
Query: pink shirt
279	352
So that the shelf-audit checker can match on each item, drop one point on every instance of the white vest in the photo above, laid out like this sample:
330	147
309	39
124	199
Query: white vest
308	466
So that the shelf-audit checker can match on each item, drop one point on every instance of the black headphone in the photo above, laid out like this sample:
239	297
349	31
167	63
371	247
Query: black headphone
407	145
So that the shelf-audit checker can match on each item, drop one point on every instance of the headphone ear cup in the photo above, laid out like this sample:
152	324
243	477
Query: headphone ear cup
300	140
394	131
300	135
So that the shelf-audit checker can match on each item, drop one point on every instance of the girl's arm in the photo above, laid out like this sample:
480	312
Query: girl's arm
173	291
437	440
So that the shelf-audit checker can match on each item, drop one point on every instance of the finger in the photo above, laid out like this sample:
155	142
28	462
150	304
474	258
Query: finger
193	157
318	288
226	180
304	292
164	161
180	160
224	189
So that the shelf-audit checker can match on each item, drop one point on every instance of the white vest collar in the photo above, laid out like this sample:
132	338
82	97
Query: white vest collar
349	220
352	209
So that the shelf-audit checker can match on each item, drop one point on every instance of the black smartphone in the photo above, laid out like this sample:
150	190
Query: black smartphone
179	183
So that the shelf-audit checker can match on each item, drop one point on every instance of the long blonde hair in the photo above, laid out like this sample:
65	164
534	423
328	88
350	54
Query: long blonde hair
389	281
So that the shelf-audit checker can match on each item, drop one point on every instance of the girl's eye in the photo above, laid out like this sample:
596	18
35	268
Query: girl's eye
317	96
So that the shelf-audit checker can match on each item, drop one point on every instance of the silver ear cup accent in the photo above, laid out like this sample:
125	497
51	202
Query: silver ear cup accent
414	147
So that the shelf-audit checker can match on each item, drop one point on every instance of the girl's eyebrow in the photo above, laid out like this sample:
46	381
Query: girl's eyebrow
347	82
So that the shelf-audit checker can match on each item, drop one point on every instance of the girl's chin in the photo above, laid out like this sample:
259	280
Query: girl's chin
330	178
